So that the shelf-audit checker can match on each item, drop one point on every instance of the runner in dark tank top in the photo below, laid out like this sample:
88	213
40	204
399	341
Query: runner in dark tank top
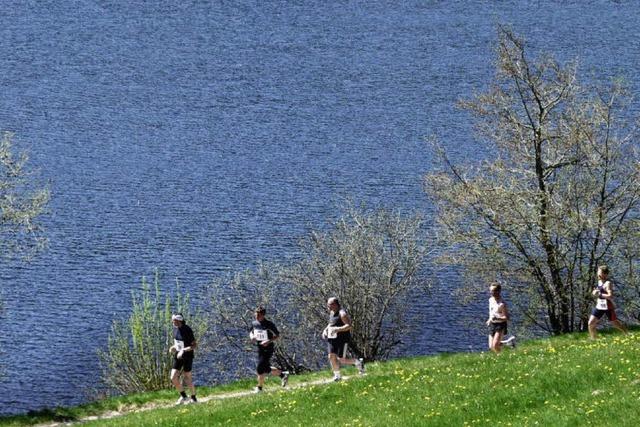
338	335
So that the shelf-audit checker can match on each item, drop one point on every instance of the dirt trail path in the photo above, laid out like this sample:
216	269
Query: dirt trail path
201	400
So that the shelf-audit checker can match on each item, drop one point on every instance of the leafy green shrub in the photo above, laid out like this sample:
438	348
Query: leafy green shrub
137	358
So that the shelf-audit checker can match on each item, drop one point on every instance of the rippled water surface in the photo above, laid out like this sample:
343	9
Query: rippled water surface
198	137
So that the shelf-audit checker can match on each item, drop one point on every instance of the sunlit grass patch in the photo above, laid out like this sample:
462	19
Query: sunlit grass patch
567	380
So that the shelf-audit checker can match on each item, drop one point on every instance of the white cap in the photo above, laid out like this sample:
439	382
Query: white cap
177	317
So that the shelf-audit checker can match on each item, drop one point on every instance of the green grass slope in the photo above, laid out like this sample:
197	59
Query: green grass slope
561	381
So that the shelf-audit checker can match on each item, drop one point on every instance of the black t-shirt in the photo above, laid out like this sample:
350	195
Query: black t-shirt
183	337
265	325
335	320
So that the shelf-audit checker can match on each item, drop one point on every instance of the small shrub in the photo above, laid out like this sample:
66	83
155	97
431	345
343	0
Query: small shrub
137	358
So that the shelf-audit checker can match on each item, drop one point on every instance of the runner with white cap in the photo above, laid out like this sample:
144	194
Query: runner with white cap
184	343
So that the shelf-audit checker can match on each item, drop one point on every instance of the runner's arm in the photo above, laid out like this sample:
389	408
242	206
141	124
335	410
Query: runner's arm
347	323
191	347
274	336
505	311
608	291
501	312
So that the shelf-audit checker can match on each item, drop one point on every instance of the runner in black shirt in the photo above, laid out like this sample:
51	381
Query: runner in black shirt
184	343
263	333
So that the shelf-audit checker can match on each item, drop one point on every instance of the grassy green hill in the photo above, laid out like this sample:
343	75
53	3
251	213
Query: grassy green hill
560	381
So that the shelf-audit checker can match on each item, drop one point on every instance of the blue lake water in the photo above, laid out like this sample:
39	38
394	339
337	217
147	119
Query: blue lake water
198	137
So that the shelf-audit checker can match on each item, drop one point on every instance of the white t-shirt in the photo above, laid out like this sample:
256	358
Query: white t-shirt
494	308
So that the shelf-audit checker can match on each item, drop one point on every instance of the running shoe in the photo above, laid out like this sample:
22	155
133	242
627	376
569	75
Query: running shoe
257	390
511	342
360	365
337	378
284	380
182	400
193	400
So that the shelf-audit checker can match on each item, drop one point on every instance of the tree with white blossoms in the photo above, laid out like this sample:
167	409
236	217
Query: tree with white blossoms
22	203
556	194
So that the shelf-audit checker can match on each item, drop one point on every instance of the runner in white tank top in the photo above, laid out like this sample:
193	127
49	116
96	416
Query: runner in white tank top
498	317
604	304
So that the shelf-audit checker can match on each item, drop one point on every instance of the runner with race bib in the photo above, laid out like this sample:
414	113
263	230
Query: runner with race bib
604	304
263	333
338	336
184	343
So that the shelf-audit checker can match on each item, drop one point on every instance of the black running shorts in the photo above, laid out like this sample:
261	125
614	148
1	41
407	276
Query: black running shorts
496	327
338	347
264	362
185	364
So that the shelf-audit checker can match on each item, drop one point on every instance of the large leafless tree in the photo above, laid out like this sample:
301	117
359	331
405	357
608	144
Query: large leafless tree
554	195
369	259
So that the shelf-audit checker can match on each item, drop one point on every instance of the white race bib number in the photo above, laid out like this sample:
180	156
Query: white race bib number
331	332
179	345
602	304
260	335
